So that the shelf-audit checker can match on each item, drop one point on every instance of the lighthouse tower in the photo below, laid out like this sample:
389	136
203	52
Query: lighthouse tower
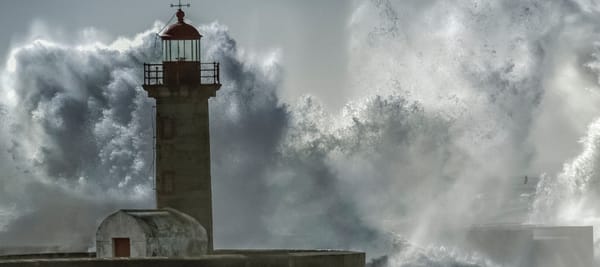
182	85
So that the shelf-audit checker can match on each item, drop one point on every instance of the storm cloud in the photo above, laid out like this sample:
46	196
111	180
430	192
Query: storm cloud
452	103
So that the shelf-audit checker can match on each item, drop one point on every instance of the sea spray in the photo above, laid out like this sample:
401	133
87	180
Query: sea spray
450	105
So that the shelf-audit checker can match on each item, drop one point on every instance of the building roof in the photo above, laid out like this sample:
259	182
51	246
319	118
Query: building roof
166	222
180	30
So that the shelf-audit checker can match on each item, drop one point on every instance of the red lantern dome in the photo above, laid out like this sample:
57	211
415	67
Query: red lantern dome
180	30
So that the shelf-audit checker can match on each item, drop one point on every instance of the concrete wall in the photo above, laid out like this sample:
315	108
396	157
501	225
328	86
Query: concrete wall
46	256
534	246
574	246
223	259
175	247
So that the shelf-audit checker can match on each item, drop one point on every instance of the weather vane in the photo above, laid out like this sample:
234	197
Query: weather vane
180	5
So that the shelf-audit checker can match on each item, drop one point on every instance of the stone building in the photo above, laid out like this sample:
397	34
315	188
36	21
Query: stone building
150	233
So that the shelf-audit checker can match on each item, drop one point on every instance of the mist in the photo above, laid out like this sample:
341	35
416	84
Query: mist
451	104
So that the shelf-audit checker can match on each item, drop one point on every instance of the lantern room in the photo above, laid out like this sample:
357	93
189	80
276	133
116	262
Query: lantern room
181	58
181	41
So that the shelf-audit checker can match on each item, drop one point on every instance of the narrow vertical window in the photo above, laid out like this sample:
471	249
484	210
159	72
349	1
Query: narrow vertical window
167	182
167	128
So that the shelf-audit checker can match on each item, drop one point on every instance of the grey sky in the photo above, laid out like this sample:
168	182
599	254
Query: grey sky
311	35
454	103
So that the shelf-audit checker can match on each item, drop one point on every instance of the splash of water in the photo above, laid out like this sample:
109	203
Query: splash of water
450	102
408	255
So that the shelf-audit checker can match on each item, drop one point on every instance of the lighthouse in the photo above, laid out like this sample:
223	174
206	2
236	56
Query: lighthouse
182	85
179	231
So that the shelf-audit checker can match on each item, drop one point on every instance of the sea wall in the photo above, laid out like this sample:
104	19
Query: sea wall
224	258
534	245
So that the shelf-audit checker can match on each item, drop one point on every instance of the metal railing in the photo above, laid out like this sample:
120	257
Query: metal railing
209	73
154	73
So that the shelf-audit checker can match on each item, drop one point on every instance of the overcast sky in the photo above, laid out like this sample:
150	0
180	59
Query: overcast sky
452	104
311	36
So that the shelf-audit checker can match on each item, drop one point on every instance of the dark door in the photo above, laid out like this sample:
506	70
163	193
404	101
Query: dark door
121	247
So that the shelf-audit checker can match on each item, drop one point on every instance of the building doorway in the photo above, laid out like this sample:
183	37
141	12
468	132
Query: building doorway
121	247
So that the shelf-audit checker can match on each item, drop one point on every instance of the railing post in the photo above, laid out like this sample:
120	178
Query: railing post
214	72
155	74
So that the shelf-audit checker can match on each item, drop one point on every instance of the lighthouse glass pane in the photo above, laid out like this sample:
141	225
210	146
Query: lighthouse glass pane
181	50
180	55
170	50
162	47
192	51
165	50
173	55
188	50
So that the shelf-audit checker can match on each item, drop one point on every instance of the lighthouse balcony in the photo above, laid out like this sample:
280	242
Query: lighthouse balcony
181	73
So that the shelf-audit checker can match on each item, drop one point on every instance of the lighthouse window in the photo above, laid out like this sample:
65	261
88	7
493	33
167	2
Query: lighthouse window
193	45
181	50
167	128
167	184
164	51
